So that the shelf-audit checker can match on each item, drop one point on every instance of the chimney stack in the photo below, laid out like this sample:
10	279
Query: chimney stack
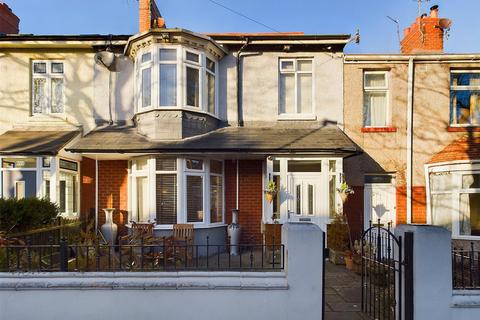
9	22
425	35
149	16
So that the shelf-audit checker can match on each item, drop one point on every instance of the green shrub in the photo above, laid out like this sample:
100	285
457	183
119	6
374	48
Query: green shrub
26	214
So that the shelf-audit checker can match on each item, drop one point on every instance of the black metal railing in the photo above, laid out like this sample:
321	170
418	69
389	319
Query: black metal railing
162	256
466	268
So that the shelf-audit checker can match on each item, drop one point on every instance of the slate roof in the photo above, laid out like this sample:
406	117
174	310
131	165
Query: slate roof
24	142
272	140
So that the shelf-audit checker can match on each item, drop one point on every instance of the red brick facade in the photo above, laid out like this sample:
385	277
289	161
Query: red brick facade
87	188
250	200
419	204
424	35
8	20
149	16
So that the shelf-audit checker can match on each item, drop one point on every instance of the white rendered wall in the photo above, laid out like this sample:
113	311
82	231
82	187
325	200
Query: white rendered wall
434	297
293	294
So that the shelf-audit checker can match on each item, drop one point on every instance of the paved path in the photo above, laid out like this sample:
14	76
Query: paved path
342	294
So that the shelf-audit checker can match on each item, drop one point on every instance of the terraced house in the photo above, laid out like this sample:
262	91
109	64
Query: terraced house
415	116
172	126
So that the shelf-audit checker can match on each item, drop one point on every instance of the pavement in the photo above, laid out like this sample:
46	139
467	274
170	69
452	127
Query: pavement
342	294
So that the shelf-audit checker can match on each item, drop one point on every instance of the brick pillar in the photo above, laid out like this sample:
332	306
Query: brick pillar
87	189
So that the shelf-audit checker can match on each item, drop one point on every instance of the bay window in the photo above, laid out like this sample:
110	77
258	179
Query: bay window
185	190
465	98
47	87
455	198
176	77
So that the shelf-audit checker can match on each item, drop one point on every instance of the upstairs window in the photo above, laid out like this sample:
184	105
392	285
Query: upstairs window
210	83
168	77
375	101
146	76
48	87
192	67
296	86
465	98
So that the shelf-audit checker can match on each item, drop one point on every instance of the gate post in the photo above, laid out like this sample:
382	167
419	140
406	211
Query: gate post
427	272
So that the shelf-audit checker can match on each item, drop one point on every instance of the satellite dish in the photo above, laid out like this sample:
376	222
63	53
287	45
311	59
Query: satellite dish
105	58
444	23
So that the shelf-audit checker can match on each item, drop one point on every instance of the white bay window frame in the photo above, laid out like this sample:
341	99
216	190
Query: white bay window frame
181	63
457	169
181	173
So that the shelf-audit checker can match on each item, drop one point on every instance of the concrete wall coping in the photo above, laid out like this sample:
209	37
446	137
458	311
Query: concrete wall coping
183	280
466	299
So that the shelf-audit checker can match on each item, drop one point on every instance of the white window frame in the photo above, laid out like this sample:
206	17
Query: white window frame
48	76
385	89
143	66
177	62
182	172
209	196
295	72
214	74
200	66
454	167
57	186
460	88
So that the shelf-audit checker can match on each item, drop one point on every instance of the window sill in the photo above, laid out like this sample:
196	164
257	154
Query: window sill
463	129
301	117
185	108
378	129
47	117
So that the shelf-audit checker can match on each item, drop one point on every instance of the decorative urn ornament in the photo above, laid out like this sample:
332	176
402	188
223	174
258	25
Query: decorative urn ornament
109	228
270	191
234	232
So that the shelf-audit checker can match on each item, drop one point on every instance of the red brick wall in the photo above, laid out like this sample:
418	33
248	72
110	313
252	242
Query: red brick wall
423	36
419	205
8	20
353	209
87	188
250	197
113	191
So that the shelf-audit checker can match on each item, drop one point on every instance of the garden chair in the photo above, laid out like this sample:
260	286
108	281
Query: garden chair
183	237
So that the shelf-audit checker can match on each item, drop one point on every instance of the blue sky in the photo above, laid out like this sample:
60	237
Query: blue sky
378	34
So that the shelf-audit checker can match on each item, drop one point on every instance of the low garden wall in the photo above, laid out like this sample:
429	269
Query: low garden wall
295	292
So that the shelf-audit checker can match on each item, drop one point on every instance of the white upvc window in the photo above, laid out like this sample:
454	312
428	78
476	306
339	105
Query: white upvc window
454	198
146	79
193	72
48	87
296	93
173	77
465	98
376	112
177	190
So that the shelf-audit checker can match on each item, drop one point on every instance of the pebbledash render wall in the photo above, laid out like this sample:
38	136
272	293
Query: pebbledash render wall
385	150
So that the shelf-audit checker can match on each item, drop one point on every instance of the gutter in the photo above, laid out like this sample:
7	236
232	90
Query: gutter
382	58
411	71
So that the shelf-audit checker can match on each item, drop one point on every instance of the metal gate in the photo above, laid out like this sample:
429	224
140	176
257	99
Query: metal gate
382	264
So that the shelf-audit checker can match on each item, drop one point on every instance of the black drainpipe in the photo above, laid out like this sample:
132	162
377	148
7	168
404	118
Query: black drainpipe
240	85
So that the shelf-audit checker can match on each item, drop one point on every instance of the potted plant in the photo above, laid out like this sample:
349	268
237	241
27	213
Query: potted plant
338	239
344	190
270	191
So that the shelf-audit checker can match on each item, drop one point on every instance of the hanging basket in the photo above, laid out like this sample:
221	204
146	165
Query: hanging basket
344	196
269	196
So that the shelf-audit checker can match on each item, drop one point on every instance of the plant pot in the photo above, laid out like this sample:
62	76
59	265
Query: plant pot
337	257
344	196
269	196
349	262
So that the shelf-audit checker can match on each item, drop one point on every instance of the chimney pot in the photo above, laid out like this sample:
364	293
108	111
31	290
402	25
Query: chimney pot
434	11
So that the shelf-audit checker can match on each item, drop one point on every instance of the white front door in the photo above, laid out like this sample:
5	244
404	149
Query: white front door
304	199
380	204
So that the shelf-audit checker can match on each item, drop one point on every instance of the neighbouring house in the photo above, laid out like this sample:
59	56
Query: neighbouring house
174	126
415	115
